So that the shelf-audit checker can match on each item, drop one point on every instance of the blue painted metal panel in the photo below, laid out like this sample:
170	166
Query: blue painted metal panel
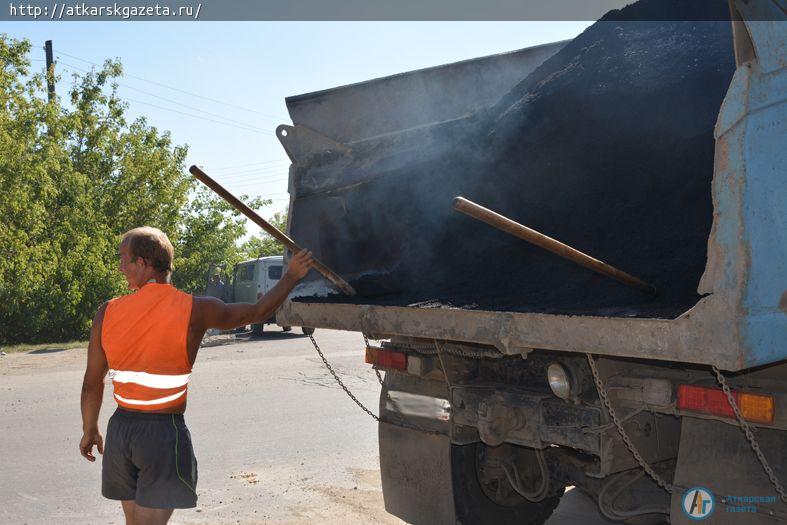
764	327
747	267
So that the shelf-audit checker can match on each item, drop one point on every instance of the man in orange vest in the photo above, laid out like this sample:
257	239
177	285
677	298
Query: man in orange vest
148	342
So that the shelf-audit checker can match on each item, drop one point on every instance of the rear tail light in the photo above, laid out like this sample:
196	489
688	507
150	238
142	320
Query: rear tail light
756	408
386	359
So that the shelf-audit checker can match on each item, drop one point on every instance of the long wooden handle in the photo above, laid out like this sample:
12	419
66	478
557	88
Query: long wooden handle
548	243
277	234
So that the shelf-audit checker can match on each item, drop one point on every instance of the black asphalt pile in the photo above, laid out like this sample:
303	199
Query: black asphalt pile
608	147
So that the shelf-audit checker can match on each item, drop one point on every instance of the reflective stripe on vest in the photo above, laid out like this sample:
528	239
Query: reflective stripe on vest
151	380
157	381
158	401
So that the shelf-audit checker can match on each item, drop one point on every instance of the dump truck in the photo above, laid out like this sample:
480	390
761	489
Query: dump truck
656	142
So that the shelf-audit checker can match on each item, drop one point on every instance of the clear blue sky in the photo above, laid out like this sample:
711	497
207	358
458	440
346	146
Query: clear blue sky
255	65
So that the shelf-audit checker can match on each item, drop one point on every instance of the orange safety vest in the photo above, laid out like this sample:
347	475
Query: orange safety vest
144	338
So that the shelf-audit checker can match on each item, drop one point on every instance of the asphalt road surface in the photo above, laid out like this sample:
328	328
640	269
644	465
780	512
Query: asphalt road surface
277	441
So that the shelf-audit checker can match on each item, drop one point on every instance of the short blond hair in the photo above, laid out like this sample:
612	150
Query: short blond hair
152	245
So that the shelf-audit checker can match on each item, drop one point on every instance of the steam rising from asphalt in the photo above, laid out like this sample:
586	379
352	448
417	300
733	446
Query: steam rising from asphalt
607	146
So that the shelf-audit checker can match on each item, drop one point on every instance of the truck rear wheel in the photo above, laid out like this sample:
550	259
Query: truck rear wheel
478	503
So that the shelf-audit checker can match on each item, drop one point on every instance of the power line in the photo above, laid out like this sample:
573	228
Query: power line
280	172
260	169
272	200
270	175
243	127
254	173
281	183
275	117
242	183
192	107
270	178
250	164
266	182
278	194
237	124
197	116
255	184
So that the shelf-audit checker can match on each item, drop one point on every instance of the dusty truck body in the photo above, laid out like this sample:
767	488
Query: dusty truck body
510	373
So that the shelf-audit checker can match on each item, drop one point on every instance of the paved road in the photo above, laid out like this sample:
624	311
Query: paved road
277	441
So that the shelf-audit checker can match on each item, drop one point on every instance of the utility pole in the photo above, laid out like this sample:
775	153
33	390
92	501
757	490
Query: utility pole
50	70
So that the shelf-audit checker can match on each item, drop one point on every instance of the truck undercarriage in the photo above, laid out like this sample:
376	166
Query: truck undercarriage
508	429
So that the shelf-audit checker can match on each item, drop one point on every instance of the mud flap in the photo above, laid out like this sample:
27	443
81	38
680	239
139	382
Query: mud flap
416	475
716	457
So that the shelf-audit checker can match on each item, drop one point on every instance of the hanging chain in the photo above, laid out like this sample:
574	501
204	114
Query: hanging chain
750	435
339	381
612	414
399	420
376	370
396	412
623	434
426	348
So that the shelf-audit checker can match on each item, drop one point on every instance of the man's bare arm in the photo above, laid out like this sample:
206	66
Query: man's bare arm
93	390
214	313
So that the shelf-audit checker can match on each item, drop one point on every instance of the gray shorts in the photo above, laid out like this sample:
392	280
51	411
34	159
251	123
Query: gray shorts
149	458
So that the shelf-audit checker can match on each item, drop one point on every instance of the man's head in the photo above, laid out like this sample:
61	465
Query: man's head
145	253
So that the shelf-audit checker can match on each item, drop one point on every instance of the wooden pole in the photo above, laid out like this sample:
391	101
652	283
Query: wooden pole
326	272
548	243
50	70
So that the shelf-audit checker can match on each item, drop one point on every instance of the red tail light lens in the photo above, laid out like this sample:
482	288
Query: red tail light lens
757	408
708	400
386	358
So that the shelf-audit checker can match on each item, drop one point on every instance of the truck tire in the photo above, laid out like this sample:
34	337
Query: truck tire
257	328
474	507
307	330
286	328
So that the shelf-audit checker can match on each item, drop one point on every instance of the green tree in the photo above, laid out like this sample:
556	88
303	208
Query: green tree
49	230
208	237
74	179
264	244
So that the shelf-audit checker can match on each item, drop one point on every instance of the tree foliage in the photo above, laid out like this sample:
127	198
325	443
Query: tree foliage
263	245
75	177
208	237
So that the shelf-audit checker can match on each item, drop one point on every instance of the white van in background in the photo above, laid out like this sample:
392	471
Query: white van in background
250	280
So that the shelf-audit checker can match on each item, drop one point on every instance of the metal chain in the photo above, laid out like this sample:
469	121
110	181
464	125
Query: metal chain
442	365
626	439
376	370
395	413
750	435
400	421
612	414
339	381
429	349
